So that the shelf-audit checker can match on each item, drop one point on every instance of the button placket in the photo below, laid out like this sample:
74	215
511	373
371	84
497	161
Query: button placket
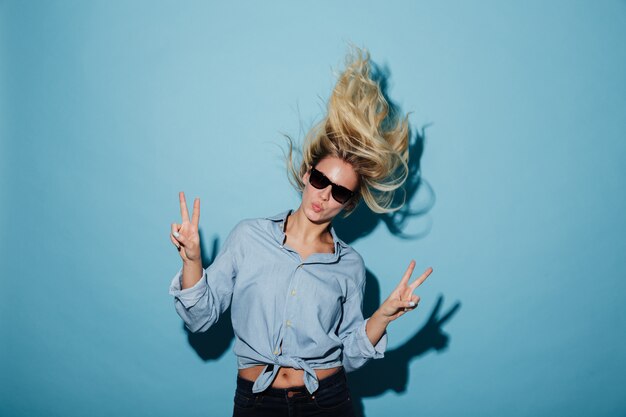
293	290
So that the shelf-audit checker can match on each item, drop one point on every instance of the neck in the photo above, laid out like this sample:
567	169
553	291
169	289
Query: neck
300	227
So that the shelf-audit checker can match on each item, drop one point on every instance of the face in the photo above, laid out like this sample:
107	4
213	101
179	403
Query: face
318	205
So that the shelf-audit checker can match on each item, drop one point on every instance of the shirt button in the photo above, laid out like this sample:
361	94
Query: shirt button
276	352
288	323
293	292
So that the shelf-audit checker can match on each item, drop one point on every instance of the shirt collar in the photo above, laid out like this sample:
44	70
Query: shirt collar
279	231
280	216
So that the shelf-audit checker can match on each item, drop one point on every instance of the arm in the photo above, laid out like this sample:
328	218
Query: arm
362	342
361	339
186	238
201	304
376	327
192	273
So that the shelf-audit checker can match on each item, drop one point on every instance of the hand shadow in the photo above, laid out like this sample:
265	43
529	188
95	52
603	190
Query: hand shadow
392	372
213	343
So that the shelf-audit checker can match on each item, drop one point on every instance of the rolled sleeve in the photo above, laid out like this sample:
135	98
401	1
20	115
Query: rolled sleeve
365	345
357	347
200	306
188	297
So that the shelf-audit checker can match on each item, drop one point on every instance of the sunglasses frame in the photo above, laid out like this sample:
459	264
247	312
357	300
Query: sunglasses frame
326	182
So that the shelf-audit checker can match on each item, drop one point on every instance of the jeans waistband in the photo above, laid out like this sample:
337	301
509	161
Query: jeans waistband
336	378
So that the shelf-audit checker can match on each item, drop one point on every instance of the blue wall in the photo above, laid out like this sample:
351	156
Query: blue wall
109	109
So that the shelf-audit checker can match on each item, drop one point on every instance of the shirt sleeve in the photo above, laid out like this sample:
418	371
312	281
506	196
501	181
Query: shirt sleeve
357	348
200	306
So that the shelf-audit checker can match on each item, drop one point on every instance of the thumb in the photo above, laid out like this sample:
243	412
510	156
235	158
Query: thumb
180	238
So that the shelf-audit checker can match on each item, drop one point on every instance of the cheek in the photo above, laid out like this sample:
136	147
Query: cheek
309	194
306	191
334	206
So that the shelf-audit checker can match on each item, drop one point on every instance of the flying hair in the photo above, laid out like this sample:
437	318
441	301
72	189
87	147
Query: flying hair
360	129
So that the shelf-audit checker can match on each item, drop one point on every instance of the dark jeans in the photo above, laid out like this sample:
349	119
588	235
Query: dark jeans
332	398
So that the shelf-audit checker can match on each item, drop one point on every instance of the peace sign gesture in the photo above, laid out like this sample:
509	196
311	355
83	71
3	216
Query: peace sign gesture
185	236
402	298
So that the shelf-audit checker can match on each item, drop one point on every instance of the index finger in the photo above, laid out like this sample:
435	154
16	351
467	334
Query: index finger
407	275
195	215
421	279
183	207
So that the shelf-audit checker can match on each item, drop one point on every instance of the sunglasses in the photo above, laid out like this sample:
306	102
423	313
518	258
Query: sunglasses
320	181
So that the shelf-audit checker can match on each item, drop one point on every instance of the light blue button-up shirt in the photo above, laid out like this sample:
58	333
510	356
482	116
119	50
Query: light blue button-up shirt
285	311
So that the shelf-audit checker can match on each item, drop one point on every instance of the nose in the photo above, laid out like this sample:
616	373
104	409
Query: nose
325	193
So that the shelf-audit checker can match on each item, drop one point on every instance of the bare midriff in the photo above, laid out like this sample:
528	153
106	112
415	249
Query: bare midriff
286	377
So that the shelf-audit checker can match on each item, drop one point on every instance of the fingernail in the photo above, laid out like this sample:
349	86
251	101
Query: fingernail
411	304
176	234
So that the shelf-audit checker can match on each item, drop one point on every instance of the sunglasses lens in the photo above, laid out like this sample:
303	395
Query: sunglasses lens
318	180
341	194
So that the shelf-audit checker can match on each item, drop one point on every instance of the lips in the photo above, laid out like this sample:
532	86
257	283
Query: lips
316	207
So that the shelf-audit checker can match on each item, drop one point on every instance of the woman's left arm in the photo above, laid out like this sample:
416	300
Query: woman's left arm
400	301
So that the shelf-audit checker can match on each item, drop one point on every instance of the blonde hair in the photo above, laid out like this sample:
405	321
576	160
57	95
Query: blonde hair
360	129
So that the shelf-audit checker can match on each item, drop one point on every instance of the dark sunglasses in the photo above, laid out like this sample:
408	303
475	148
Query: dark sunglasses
320	181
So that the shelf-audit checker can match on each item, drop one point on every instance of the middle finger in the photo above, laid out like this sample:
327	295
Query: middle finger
183	207
195	215
421	279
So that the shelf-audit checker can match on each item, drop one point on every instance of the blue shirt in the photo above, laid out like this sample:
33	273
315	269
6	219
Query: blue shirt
285	312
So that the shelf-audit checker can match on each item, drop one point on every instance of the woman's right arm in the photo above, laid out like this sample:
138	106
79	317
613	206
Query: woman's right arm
201	296
186	238
192	273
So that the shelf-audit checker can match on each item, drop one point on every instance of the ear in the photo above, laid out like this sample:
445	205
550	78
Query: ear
305	177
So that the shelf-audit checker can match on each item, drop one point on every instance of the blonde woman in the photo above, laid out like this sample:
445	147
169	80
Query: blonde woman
294	287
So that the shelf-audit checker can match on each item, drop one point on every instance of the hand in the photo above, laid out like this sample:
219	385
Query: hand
185	236
399	302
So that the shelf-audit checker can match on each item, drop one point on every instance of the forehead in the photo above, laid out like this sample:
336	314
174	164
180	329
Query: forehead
338	171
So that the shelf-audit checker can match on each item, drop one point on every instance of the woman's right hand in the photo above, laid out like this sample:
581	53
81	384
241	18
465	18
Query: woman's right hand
185	236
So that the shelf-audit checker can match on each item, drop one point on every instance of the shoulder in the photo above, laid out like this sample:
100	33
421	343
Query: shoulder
258	225
243	229
244	225
351	260
348	256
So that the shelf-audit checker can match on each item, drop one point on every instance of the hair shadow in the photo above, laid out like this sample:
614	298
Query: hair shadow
392	373
362	221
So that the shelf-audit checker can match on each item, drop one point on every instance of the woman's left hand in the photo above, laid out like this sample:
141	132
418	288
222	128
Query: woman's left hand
402	298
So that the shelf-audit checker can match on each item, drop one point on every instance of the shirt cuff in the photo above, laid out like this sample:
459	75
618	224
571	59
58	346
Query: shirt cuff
374	352
189	296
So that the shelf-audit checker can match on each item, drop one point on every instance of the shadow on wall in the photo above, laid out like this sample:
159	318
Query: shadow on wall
213	343
363	221
390	373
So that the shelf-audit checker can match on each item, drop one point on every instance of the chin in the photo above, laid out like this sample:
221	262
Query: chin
313	216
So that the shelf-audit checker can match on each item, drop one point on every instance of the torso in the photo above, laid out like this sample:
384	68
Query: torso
290	377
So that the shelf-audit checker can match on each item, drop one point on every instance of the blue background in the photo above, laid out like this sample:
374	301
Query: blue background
108	109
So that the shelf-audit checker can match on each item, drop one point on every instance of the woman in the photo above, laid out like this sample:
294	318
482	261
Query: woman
295	289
